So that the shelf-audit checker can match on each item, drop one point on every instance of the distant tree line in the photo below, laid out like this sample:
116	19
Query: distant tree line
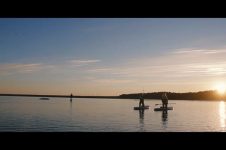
202	95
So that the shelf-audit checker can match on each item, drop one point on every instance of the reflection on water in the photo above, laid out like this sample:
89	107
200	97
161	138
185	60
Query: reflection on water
164	118
71	110
164	115
141	113
104	115
141	119
222	113
70	106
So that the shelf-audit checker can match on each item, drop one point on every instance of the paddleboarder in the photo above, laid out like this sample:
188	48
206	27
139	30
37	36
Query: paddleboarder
141	103
164	101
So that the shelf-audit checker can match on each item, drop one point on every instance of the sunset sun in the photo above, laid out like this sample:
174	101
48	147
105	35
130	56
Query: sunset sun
221	88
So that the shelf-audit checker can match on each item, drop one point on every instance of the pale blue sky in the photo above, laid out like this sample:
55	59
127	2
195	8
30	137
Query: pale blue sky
109	56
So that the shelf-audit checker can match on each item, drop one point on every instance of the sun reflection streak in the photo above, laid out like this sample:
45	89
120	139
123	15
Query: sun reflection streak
222	113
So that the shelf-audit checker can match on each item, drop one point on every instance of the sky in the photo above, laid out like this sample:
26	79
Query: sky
111	56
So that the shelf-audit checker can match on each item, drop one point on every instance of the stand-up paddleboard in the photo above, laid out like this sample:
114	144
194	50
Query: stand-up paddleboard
162	109
141	108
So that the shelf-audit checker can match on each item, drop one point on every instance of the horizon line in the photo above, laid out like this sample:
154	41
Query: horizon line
65	95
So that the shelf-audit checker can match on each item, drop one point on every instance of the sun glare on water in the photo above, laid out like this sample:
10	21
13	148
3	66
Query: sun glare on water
221	88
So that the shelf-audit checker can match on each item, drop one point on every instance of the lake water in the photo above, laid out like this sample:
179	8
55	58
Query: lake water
108	115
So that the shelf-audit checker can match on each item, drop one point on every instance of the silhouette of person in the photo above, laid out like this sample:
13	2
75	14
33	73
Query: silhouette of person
164	101
71	97
141	103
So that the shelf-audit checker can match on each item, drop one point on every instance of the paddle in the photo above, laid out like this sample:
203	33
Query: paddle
168	103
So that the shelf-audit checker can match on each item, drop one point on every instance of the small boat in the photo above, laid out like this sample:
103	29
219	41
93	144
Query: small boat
162	109
141	108
44	98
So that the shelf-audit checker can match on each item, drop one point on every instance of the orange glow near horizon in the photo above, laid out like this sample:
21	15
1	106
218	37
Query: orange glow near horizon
220	87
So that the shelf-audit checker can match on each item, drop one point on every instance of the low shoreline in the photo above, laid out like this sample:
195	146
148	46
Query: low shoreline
106	97
61	96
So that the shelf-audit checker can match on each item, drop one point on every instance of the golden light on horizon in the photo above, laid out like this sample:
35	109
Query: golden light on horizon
220	87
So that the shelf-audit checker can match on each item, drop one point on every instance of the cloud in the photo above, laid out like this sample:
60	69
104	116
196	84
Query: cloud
83	62
201	51
100	70
200	62
11	68
113	81
181	64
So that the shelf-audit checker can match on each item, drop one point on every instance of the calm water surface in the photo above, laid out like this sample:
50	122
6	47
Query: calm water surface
108	115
